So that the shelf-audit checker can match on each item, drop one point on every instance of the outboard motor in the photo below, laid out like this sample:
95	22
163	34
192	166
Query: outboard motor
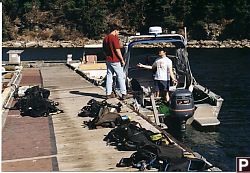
181	107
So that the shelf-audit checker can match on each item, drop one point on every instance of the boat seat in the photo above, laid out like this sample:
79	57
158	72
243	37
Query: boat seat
90	59
204	115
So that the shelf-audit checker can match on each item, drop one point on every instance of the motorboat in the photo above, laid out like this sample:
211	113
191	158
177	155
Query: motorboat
190	102
204	106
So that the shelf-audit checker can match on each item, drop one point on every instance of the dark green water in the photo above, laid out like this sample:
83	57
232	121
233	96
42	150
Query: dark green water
225	72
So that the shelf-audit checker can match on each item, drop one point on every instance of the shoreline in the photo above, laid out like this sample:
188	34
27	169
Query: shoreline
80	44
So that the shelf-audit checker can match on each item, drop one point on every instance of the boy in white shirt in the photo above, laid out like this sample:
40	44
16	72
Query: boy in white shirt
164	71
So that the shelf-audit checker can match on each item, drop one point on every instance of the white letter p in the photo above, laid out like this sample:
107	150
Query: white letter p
242	163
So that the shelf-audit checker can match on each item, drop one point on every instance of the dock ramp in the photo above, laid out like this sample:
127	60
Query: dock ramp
204	115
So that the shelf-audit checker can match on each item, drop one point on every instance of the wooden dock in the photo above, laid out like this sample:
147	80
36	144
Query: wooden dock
60	142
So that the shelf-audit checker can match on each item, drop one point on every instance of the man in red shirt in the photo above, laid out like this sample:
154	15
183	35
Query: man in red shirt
114	62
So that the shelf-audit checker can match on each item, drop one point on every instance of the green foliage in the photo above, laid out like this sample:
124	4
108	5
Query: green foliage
10	8
240	15
92	18
72	11
155	13
5	34
49	5
170	22
136	15
198	32
27	6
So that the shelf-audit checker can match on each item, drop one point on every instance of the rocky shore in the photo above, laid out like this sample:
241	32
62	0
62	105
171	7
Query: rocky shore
47	44
219	44
74	44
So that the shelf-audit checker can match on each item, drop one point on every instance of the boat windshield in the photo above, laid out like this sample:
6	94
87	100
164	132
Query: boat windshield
147	52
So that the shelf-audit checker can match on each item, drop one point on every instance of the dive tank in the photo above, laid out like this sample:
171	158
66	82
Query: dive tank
181	106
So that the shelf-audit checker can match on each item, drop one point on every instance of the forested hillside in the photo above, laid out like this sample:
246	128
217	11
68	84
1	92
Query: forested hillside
76	19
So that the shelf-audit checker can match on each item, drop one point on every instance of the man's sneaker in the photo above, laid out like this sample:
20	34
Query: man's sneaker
124	97
112	95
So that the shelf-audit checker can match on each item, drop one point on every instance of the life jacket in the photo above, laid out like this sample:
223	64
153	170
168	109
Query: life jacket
141	159
151	156
185	165
163	158
93	108
129	136
109	119
35	103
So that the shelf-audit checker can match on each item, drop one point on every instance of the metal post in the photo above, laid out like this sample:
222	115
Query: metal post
185	34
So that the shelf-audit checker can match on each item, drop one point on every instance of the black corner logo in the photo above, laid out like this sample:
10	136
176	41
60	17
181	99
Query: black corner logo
243	164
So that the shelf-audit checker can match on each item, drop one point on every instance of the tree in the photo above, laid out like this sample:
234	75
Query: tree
155	13
5	31
240	16
93	18
198	32
136	15
10	8
181	9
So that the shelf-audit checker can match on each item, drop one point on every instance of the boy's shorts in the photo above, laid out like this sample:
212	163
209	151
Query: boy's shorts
161	85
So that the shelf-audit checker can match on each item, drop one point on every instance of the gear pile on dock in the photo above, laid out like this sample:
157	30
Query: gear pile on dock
152	150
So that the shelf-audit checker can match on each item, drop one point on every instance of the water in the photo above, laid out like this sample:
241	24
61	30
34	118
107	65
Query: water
225	72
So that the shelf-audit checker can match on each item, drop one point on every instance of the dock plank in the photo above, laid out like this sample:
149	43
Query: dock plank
27	142
78	148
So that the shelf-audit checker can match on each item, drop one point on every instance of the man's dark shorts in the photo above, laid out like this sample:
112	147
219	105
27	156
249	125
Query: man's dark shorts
161	85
